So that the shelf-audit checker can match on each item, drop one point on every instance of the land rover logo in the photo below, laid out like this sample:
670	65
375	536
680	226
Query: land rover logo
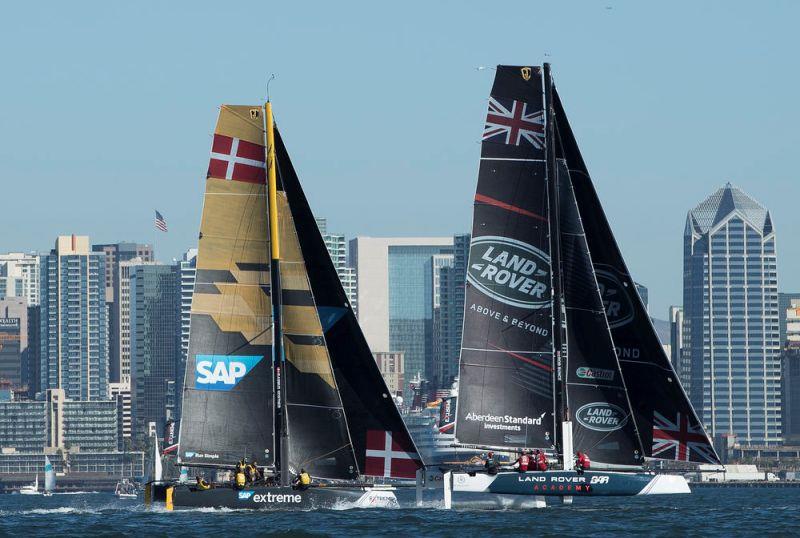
510	271
616	299
601	417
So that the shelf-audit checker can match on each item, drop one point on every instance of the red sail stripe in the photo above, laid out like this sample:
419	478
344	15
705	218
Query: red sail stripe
523	358
508	207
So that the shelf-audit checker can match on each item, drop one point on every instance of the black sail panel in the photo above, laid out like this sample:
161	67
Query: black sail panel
381	444
601	415
317	430
506	367
667	423
227	398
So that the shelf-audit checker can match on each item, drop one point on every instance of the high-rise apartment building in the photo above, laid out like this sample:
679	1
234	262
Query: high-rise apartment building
188	270
120	329
155	342
116	255
73	320
337	248
676	338
731	310
449	314
790	378
19	276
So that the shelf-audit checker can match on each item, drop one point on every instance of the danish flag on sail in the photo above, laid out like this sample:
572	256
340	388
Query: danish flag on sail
237	159
688	441
391	454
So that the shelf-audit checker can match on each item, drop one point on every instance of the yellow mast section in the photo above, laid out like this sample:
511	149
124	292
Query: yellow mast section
272	183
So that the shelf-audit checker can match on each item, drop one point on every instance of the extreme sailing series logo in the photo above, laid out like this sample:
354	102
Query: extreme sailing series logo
510	271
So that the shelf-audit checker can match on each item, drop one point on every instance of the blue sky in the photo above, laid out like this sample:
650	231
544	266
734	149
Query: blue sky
107	110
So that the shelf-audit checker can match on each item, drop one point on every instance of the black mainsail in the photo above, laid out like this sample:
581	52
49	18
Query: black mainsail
668	425
505	374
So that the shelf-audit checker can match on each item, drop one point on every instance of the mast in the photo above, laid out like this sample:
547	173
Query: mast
559	379
278	357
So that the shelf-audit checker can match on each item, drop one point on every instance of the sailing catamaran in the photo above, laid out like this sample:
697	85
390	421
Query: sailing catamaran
558	351
279	372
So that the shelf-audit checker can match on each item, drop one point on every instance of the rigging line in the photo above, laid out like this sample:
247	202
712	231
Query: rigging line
335	450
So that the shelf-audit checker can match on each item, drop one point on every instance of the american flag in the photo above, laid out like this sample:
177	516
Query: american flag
161	224
681	441
514	122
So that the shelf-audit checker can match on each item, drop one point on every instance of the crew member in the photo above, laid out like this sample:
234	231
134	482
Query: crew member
582	462
491	464
541	461
523	461
302	481
202	484
240	477
257	475
249	473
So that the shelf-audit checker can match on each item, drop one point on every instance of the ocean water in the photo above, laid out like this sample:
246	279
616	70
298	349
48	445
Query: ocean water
707	512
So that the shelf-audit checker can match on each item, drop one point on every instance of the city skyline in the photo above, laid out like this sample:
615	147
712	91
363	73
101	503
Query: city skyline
625	114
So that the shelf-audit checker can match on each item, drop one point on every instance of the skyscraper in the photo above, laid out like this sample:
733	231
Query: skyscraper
676	338
73	320
120	329
449	313
731	312
395	295
14	356
115	255
155	342
188	270
790	377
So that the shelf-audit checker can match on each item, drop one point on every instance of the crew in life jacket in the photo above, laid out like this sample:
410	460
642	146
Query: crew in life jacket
249	473
240	477
491	464
202	484
582	462
541	461
257	474
523	462
302	481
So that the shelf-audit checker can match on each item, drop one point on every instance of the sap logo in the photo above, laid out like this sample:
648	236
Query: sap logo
190	454
245	495
222	372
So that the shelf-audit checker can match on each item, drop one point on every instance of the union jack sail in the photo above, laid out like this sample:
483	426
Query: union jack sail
514	122
679	440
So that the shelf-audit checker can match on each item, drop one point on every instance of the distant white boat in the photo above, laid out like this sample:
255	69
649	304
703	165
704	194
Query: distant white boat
32	489
49	477
125	489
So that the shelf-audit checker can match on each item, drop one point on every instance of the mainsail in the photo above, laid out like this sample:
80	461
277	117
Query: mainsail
506	367
227	404
379	443
667	423
49	476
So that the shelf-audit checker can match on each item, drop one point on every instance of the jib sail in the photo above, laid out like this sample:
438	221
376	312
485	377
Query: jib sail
227	397
506	367
667	423
379	443
595	389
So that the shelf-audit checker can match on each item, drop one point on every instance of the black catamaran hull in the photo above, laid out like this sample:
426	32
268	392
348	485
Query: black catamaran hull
279	498
570	483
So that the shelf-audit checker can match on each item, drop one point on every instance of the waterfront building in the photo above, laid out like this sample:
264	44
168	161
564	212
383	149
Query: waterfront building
73	320
155	298
188	270
785	301
395	295
121	394
790	378
390	365
19	276
118	258
731	317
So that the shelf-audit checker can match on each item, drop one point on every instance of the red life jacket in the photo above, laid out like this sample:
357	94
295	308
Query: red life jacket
583	459
542	461
523	460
